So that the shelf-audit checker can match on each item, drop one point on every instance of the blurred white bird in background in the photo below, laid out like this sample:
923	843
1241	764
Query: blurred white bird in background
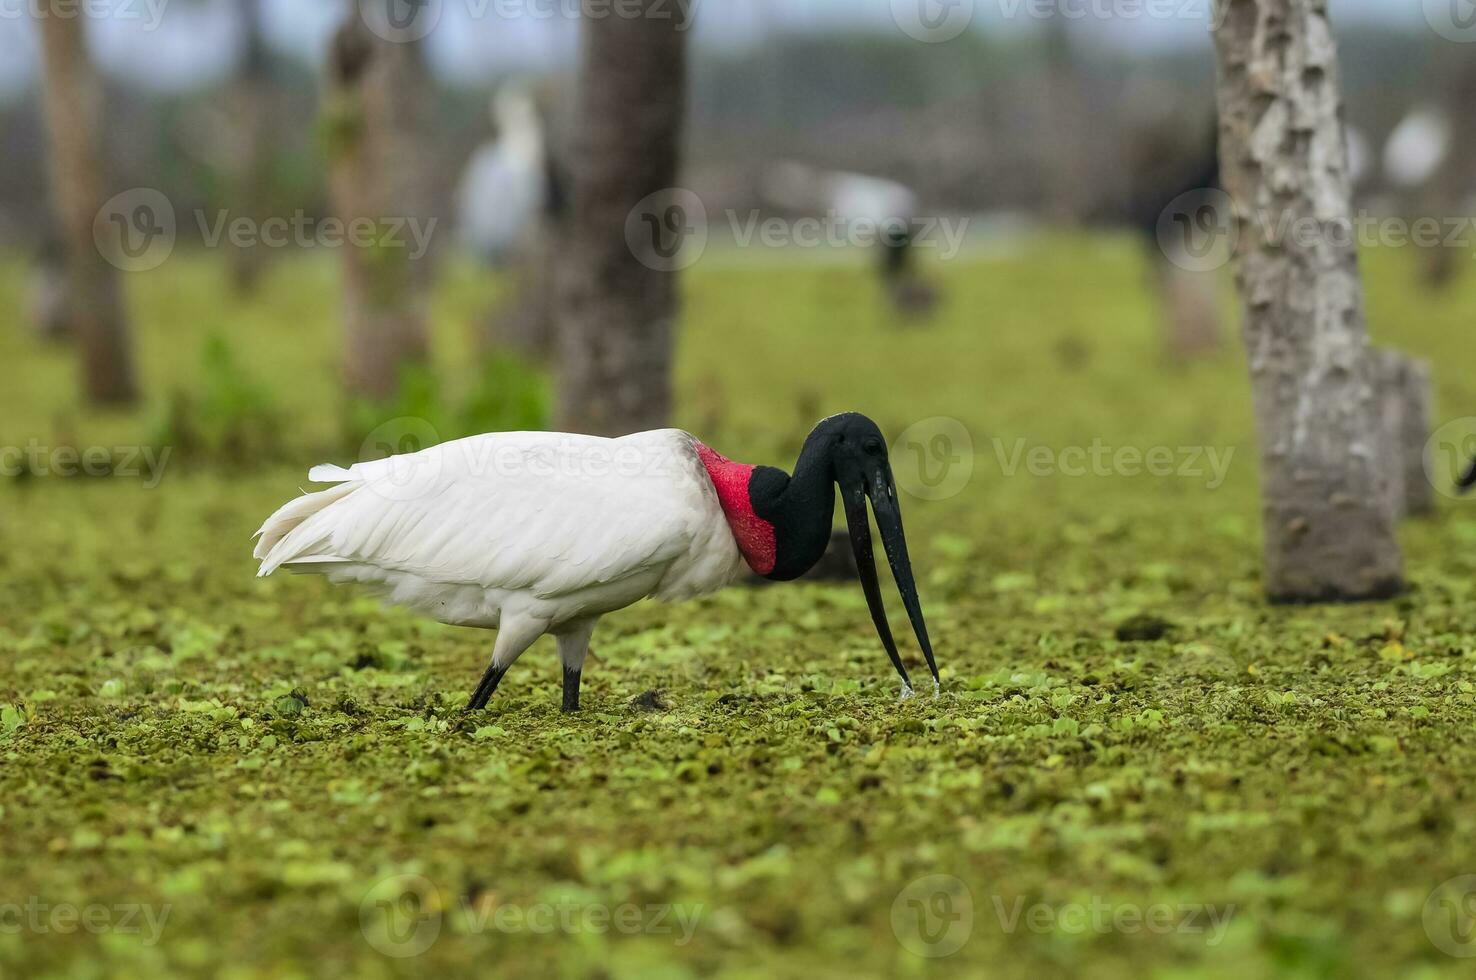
1417	148
506	184
1431	184
856	201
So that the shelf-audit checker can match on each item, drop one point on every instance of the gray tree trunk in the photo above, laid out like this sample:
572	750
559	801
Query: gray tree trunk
616	312
1329	523
1191	309
1404	407
74	111
1414	439
250	100
375	125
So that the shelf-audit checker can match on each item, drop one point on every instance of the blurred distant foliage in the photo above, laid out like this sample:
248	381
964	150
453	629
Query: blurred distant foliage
508	395
1123	719
961	121
226	416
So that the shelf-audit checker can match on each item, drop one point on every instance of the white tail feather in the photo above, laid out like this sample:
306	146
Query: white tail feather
329	473
290	533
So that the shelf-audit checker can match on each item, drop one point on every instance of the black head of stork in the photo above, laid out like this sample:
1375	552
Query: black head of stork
783	521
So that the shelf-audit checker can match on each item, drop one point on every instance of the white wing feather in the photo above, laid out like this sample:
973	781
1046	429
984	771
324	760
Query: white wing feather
543	512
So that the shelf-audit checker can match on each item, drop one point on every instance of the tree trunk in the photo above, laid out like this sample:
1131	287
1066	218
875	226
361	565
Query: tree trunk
74	111
617	312
249	100
374	122
1445	195
1067	170
1329	523
1191	307
1404	407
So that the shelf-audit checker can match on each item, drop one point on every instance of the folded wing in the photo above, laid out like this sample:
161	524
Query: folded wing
544	512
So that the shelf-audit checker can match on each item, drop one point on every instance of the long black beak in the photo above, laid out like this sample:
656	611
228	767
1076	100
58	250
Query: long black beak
883	494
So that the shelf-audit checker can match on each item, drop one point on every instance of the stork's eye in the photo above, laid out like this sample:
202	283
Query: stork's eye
873	446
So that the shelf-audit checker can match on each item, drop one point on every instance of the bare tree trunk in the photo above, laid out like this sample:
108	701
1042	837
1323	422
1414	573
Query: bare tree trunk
1390	367
1444	197
74	111
1067	171
1191	305
1329	523
250	108
1414	439
378	105
617	313
1404	408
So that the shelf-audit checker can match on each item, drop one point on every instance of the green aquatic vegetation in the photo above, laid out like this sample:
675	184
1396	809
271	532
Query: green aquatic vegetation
1136	767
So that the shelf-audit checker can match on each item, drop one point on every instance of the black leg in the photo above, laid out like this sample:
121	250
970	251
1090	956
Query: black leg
487	688
571	690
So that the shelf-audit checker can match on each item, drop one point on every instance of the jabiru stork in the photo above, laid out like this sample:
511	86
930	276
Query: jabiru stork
531	533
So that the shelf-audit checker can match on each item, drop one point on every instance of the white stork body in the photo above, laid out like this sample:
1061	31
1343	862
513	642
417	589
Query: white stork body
526	532
540	532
